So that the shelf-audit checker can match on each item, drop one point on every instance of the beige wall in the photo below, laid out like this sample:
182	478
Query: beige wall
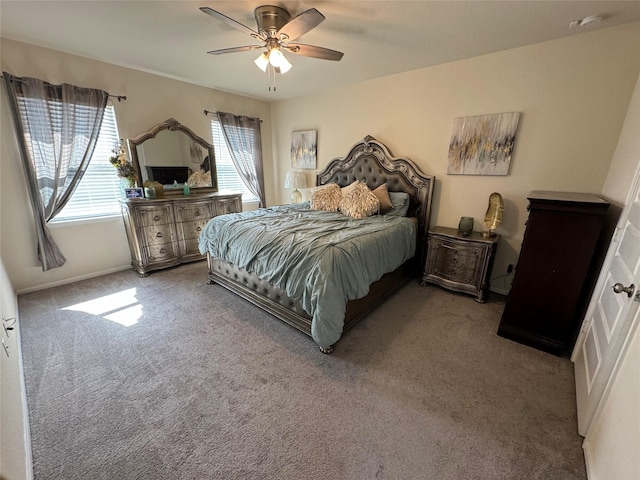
94	248
573	94
626	156
15	439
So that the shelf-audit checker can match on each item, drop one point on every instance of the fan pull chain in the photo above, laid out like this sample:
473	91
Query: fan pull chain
271	75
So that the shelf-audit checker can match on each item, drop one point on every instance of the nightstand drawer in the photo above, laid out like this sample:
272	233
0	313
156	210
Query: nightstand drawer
460	263
456	262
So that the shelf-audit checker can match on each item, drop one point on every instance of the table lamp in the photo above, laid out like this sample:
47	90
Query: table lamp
295	180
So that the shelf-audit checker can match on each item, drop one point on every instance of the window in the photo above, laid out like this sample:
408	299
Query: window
99	188
228	178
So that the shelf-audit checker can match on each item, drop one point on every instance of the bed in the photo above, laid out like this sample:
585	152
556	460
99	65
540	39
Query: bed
320	308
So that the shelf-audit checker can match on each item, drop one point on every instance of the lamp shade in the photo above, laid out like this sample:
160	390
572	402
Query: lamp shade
262	61
295	179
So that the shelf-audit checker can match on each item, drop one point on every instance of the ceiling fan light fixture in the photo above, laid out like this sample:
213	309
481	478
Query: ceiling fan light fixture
275	57
275	28
285	66
262	62
278	60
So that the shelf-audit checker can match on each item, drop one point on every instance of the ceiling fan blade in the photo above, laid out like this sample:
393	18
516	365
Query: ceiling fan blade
229	21
301	24
313	51
246	48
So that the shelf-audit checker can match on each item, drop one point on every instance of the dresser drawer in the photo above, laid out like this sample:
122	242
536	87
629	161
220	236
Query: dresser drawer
157	235
190	247
231	205
189	230
160	252
195	211
154	215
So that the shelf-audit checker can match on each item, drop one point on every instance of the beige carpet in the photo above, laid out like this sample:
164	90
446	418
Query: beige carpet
206	386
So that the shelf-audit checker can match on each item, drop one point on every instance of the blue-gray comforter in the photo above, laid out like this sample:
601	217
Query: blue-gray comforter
322	259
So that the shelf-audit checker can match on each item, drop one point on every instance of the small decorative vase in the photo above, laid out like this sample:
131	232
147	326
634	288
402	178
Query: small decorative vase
465	227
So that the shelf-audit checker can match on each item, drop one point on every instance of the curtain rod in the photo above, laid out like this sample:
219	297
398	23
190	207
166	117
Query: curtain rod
207	112
119	97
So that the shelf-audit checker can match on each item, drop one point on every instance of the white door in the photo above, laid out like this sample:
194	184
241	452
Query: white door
612	316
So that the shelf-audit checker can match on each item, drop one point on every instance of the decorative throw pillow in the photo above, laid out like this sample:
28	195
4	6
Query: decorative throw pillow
360	202
349	188
382	194
326	197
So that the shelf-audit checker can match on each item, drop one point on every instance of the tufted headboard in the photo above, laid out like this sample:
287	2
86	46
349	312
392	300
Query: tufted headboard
371	161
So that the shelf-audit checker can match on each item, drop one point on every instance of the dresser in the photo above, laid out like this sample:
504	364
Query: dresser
460	263
164	232
555	272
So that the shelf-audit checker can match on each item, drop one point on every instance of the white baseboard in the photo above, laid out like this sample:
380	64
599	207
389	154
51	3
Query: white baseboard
72	279
587	460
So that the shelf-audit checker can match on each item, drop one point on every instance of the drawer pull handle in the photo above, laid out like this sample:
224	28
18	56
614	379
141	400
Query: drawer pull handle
199	229
228	209
198	213
162	250
156	218
159	234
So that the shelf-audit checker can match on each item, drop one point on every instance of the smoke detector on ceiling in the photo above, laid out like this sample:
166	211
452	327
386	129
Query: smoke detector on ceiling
586	21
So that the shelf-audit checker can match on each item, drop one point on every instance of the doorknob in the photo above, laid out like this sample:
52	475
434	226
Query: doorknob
620	288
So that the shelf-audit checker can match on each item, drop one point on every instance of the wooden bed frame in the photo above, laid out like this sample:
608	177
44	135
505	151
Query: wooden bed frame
371	161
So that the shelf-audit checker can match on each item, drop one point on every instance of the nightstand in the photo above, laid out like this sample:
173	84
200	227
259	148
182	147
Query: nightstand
459	263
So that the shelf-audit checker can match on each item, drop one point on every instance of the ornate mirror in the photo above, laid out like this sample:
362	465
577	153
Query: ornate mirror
171	153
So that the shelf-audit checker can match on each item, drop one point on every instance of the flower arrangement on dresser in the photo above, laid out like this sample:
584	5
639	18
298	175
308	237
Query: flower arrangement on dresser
124	168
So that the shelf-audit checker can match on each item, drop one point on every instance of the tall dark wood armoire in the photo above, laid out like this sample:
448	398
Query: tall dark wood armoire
554	274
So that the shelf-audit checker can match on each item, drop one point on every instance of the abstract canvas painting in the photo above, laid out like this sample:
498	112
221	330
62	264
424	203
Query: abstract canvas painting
482	145
303	149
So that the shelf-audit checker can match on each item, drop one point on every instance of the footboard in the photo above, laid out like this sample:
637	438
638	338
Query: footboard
275	300
259	292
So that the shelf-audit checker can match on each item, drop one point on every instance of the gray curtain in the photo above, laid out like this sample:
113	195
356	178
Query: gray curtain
57	128
242	135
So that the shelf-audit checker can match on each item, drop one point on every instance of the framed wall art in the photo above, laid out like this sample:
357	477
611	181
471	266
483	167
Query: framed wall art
482	145
303	149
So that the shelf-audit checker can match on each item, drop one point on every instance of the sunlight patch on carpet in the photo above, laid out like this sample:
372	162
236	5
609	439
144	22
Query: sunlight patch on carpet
121	307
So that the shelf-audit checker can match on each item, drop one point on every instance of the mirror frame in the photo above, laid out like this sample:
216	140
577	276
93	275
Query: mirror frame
175	126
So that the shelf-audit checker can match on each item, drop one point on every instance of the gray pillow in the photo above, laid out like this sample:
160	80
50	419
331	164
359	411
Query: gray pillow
400	201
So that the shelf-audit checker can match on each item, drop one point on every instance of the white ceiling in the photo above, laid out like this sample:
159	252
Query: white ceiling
378	38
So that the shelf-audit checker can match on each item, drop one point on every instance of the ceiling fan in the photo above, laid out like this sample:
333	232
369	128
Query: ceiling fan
276	29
